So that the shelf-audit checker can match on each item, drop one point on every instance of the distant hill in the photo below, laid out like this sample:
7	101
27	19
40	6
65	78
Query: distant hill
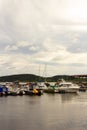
19	77
32	78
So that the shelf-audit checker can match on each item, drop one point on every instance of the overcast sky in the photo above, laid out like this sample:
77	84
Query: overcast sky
45	37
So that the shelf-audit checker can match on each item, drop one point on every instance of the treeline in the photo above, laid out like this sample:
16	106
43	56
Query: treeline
34	78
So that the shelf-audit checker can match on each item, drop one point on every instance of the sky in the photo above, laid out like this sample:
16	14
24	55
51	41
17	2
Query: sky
43	37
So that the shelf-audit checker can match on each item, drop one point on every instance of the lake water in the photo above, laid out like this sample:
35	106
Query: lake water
46	112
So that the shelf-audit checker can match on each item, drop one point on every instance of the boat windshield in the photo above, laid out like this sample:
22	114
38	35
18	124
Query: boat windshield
65	85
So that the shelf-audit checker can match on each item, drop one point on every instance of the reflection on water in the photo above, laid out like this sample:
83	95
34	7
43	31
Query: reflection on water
47	112
68	97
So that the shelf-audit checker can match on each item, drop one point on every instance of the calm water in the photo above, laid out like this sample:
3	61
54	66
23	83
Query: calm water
47	112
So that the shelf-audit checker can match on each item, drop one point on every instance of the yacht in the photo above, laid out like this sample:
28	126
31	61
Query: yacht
68	87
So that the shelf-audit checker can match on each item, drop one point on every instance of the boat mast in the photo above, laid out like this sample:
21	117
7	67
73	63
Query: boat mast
44	73
39	72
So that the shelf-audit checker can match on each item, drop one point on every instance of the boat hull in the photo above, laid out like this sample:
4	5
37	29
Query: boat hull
32	93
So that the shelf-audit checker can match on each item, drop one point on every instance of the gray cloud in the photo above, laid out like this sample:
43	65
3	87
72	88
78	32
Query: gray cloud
43	32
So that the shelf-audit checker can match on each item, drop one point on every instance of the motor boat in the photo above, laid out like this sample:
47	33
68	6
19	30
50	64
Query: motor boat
68	87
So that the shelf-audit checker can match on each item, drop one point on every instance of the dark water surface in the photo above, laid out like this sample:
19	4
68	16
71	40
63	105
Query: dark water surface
46	112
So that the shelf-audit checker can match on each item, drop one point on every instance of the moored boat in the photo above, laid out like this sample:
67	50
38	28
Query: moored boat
50	88
33	92
68	87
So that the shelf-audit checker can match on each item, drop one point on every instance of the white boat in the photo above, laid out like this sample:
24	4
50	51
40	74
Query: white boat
68	87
